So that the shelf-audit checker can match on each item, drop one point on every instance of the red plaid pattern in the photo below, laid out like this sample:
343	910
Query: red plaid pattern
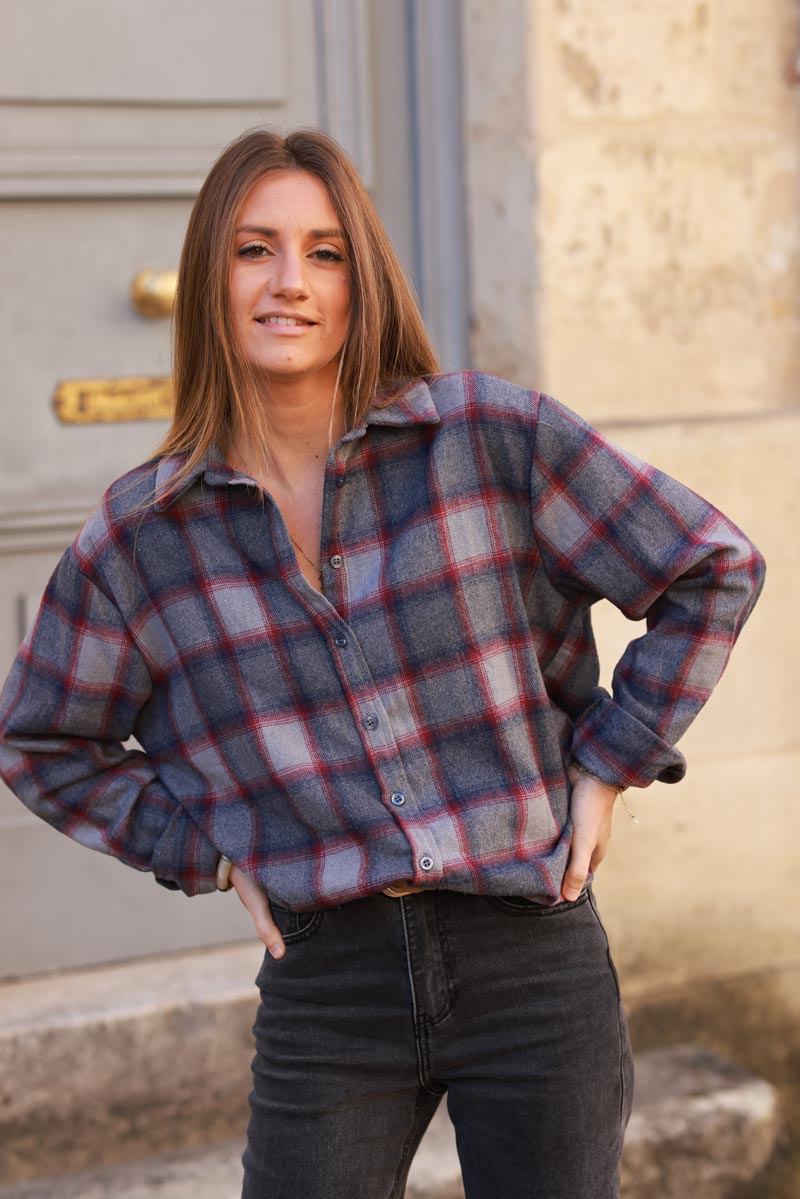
415	720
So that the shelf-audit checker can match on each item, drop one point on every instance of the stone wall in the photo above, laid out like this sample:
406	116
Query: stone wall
634	178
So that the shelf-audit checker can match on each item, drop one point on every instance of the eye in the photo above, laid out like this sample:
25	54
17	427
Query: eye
253	249
329	255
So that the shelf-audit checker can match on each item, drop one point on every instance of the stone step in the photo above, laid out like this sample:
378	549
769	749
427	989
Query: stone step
700	1126
216	1173
116	1040
125	1061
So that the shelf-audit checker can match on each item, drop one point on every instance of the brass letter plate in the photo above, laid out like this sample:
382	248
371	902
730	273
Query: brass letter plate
91	401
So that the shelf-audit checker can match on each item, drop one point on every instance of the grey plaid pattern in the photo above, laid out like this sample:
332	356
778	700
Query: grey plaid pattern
415	719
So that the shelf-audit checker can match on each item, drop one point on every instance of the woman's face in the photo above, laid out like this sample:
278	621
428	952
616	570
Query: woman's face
290	280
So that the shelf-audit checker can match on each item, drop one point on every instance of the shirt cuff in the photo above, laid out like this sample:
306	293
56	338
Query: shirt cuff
183	859
616	746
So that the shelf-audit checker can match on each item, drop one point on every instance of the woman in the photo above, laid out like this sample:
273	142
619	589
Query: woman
346	612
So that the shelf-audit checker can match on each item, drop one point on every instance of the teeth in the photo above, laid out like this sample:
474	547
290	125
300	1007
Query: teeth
283	320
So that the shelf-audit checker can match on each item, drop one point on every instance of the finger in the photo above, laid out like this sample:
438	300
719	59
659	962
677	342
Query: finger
255	900
267	929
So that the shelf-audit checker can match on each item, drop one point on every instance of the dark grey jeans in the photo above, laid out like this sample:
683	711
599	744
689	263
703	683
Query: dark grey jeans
381	1006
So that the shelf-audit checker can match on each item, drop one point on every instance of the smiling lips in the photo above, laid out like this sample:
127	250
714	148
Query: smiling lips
284	322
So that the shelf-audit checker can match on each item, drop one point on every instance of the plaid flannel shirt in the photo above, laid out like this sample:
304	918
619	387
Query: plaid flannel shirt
414	720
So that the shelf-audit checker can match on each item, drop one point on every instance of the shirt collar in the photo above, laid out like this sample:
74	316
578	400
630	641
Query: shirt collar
410	404
212	467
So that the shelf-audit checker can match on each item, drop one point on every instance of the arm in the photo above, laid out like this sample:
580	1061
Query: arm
71	699
608	525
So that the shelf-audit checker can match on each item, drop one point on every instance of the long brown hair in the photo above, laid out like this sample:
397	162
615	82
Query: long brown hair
215	389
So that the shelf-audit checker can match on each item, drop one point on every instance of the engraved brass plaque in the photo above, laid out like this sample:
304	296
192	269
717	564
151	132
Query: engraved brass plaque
95	401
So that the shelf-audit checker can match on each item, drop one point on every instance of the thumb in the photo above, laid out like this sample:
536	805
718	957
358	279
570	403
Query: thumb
577	867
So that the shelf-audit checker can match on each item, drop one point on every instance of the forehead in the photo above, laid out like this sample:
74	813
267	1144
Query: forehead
290	198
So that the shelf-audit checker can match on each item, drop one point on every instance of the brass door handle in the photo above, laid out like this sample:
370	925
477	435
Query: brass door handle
153	292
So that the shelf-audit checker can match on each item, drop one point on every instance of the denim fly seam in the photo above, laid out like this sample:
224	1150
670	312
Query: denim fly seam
424	1020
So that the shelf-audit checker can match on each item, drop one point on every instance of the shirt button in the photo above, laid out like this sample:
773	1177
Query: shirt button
398	799
336	561
426	863
340	641
340	481
370	722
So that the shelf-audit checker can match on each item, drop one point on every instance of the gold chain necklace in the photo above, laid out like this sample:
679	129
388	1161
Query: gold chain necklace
310	561
314	566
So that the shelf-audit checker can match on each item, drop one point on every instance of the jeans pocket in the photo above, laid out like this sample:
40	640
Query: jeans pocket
521	905
296	926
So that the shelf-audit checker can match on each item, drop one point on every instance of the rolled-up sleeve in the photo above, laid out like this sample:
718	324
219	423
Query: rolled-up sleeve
610	526
72	698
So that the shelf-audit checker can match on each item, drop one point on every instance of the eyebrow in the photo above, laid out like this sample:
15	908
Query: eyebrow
266	231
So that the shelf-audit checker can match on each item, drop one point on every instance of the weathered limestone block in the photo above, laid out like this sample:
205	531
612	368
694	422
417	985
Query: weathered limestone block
501	172
602	48
668	265
757	60
696	891
699	1126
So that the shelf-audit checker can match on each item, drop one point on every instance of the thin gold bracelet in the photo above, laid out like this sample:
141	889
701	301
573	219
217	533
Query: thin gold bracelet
618	787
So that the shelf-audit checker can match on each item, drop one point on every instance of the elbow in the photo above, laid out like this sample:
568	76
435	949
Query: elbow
754	567
748	572
759	571
9	758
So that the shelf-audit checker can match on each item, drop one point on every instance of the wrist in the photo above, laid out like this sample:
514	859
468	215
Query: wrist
617	788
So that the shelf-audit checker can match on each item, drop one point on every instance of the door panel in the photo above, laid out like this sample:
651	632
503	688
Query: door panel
104	97
110	115
115	52
66	314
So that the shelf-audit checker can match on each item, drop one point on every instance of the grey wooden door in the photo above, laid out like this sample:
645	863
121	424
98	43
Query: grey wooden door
110	114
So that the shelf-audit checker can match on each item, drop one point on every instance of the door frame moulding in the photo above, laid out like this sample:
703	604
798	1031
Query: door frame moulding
441	250
49	527
343	71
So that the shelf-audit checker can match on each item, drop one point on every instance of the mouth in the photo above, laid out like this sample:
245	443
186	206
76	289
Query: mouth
284	322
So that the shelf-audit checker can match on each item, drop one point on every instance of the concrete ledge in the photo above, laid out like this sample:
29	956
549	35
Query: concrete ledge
122	1061
132	1060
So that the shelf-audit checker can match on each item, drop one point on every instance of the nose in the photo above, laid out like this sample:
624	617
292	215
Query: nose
288	277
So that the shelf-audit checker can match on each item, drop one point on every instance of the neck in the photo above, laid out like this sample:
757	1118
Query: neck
301	432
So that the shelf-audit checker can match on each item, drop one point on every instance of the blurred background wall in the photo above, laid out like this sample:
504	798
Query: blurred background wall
632	187
594	199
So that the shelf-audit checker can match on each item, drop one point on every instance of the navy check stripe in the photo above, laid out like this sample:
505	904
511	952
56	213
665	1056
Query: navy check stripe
415	719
